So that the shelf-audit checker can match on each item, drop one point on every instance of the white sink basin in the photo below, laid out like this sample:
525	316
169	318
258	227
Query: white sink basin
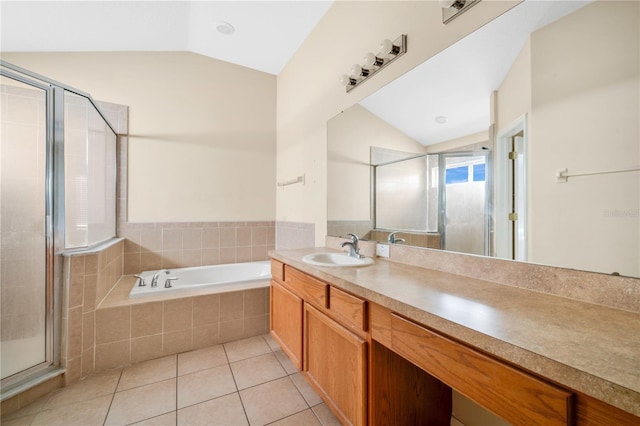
335	259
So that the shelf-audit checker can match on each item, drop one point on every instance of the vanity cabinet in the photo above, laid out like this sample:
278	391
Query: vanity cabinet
374	366
323	331
336	365
285	316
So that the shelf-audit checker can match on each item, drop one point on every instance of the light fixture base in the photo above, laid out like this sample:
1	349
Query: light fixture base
400	43
452	12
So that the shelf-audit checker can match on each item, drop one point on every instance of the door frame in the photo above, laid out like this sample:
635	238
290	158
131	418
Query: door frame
503	177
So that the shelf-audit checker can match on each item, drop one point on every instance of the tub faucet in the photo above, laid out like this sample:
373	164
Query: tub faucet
167	283
154	280
354	250
393	240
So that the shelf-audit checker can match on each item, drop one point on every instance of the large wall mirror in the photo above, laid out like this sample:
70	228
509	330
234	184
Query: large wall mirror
521	141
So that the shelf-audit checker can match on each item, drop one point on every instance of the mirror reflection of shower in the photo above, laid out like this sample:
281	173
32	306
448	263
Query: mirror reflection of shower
433	200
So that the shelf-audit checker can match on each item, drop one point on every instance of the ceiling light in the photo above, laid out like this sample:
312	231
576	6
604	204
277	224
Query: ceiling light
225	28
441	119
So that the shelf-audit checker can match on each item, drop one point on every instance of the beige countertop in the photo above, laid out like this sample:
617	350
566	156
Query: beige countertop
590	348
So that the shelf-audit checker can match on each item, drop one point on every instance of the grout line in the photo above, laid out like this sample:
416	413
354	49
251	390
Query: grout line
113	395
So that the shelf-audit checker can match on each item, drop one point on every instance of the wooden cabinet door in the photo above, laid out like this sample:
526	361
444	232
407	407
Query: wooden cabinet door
286	322
335	364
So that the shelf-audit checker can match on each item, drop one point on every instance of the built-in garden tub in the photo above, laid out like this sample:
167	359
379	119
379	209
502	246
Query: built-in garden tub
221	303
217	278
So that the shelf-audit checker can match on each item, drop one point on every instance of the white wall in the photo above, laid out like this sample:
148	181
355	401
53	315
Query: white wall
309	93
585	111
352	133
202	131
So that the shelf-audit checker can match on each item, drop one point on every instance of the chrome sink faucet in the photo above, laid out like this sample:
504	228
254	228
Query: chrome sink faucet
393	240
154	280
354	249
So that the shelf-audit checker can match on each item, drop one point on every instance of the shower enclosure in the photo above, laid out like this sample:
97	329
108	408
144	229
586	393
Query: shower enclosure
446	194
57	193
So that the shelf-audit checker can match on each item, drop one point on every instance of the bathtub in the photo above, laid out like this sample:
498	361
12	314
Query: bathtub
228	277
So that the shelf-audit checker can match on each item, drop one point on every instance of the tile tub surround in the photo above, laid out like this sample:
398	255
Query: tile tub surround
151	246
590	348
249	381
133	330
88	279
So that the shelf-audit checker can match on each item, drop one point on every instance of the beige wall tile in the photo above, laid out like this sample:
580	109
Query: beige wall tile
191	258
146	319
231	306
90	292
192	238
254	302
74	333
150	261
211	238
77	265
177	314
111	355
256	326
243	236
151	239
171	239
205	336
88	362
172	259
76	287
243	254
210	256
73	371
113	324
259	236
206	310
231	330
145	348
176	341
227	237
91	264
131	263
259	253
227	255
88	330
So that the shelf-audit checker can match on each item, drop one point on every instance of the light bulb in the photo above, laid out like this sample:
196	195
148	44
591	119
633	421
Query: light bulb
386	46
358	71
345	80
370	60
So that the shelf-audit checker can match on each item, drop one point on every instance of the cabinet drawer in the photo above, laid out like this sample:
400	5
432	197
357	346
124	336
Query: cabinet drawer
308	288
347	309
512	394
277	270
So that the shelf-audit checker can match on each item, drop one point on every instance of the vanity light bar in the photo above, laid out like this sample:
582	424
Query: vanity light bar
389	52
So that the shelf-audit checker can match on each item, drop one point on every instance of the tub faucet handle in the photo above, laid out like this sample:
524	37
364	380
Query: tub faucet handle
167	283
141	282
154	280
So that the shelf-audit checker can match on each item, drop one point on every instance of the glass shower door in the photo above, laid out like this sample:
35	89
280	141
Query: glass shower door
464	194
23	226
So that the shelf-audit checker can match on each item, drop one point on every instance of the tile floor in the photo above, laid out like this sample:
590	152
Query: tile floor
246	382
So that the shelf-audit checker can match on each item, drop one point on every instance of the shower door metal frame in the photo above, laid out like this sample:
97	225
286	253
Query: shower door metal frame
53	268
54	223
